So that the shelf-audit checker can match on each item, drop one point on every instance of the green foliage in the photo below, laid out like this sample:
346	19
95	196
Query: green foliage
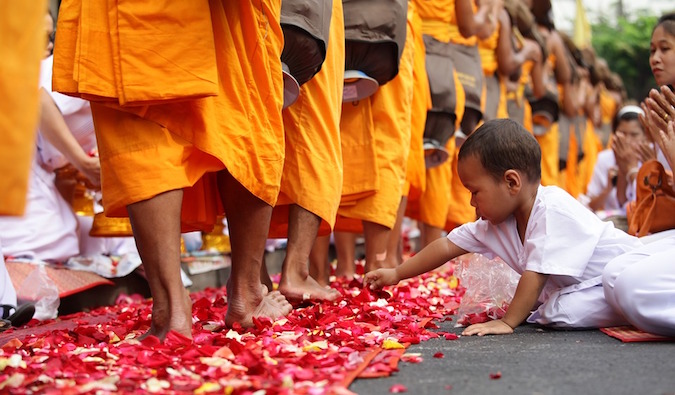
625	46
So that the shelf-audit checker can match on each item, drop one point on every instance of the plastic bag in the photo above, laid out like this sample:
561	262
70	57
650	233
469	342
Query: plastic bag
41	290
490	286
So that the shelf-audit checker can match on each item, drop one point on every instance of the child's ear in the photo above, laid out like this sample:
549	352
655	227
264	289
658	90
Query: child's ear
513	180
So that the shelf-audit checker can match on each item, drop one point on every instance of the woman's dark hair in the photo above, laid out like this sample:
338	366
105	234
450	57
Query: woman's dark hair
668	23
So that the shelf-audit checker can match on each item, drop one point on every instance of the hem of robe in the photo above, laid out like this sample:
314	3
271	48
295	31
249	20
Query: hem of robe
347	224
242	126
279	224
460	210
170	163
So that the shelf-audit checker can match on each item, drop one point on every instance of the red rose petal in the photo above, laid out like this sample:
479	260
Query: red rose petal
398	388
439	355
496	376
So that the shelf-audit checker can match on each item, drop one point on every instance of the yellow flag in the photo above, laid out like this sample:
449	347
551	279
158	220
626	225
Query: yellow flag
582	29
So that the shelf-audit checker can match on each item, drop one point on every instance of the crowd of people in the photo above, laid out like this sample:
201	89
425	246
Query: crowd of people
485	123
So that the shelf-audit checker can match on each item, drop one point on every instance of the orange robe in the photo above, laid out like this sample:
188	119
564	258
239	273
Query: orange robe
21	49
439	21
495	100
591	148
608	109
421	103
433	205
312	176
171	107
390	108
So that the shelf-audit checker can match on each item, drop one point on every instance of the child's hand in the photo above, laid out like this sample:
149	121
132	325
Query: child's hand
496	327
381	277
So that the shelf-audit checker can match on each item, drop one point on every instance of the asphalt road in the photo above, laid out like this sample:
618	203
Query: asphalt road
533	361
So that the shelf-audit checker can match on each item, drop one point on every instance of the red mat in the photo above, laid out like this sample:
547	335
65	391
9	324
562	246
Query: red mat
316	349
629	334
67	281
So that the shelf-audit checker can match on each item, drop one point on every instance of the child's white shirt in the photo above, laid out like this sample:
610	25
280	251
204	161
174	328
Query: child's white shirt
563	239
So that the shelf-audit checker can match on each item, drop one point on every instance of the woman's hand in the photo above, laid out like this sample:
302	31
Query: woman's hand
626	155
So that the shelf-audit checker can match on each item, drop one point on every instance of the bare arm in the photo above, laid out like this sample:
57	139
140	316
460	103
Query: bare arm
537	78
432	256
528	291
53	127
508	59
626	161
481	24
563	71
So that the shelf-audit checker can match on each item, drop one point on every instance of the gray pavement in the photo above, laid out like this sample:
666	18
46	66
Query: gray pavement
533	361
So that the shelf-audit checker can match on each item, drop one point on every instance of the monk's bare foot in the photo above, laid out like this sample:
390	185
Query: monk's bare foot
256	301
174	317
345	273
301	288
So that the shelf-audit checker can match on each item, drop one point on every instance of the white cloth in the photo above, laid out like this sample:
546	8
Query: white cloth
606	160
640	285
564	240
77	115
7	291
48	229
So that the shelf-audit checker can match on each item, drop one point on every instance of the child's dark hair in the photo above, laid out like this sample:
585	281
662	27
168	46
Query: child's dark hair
503	144
668	23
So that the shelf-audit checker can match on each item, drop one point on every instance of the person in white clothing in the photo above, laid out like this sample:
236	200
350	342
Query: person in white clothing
557	245
641	284
619	161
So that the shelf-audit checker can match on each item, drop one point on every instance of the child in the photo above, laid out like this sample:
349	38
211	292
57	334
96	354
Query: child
557	245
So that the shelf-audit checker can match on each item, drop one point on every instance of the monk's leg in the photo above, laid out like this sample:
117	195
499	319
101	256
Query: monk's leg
470	120
429	233
345	246
265	278
249	220
376	236
156	226
394	248
296	283
319	266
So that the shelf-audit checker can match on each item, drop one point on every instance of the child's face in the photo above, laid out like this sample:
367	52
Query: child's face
490	197
662	56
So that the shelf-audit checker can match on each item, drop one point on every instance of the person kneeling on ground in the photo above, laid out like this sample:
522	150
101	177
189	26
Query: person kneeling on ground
557	245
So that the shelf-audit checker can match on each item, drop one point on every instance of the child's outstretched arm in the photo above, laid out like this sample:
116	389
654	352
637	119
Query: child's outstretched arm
431	257
527	293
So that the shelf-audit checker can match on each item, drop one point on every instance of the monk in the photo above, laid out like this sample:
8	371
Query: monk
189	126
25	23
311	182
386	118
415	181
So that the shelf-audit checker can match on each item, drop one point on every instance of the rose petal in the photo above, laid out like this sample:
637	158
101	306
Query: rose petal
398	388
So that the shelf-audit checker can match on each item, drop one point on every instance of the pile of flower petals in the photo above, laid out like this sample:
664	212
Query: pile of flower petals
316	349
